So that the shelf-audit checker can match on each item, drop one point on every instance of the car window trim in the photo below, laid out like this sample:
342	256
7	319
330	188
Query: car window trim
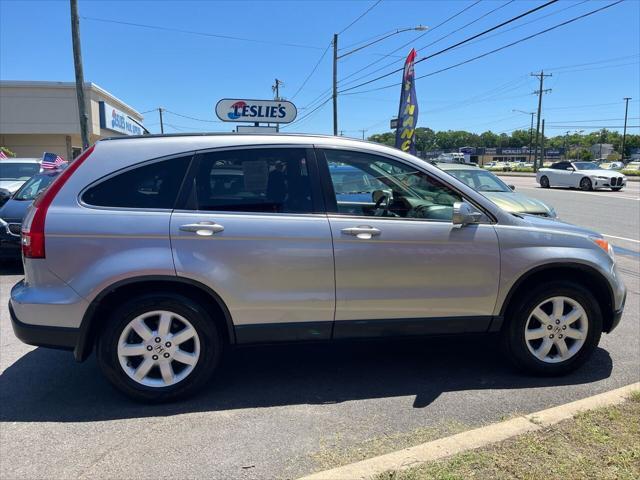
331	199
81	202
317	199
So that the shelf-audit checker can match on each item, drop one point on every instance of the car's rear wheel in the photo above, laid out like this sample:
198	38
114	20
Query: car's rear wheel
585	184
544	182
158	348
553	329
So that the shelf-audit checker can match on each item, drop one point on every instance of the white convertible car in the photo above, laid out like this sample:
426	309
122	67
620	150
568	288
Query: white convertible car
583	175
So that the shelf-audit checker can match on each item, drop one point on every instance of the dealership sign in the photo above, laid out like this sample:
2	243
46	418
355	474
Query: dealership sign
113	119
255	111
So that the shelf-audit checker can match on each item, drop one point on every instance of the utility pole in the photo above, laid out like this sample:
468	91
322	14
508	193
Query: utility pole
77	63
335	84
276	90
531	135
363	131
539	92
542	146
161	124
624	132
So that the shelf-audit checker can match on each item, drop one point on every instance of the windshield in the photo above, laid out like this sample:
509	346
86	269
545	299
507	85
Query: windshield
586	166
33	187
18	171
480	180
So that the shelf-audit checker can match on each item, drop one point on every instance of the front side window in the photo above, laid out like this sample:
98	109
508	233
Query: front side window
153	185
265	180
387	188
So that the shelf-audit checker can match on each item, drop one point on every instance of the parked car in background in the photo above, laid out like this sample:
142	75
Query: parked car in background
14	210
15	171
583	175
492	187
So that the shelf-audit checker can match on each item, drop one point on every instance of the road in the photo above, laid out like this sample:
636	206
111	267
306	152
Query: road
283	411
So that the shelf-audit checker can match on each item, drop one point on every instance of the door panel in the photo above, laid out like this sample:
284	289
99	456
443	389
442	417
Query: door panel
414	269
400	260
251	230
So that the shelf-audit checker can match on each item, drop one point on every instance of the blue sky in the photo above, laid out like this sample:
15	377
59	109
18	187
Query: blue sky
594	61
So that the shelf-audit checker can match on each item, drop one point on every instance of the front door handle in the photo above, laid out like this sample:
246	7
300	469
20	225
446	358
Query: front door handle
204	229
363	232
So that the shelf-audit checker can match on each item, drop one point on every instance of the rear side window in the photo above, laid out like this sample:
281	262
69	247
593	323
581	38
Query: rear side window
270	180
153	185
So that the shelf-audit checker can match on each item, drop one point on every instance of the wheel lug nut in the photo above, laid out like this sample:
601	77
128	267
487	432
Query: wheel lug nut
158	339
551	336
155	357
557	322
564	327
549	327
166	355
560	336
149	347
168	344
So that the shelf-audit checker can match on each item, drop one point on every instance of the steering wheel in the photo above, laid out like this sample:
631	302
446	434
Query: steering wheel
386	199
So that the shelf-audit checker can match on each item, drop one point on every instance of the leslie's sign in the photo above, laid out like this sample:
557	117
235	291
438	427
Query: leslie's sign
259	111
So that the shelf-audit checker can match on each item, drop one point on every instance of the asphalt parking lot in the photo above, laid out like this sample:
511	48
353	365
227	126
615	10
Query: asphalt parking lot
284	411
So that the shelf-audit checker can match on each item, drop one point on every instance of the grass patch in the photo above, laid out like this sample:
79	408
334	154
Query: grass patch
603	444
335	453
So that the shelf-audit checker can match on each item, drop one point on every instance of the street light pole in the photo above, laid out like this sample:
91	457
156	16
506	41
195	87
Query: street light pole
530	129
337	57
624	132
77	63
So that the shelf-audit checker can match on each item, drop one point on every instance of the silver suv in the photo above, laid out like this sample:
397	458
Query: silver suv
160	251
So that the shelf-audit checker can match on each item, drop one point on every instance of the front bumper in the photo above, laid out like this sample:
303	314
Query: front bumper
609	182
44	336
617	315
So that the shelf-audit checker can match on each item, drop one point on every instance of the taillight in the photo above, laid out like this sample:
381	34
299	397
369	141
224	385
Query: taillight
33	224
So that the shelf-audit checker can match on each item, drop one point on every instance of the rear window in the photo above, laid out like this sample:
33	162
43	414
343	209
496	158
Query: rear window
153	185
18	171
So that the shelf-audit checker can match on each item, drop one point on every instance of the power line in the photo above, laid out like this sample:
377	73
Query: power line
202	34
308	114
313	70
486	53
192	118
440	52
358	19
444	22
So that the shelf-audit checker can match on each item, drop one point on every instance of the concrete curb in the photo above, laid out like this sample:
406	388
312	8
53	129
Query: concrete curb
472	439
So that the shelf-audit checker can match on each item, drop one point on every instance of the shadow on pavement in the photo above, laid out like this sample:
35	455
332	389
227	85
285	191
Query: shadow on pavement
47	385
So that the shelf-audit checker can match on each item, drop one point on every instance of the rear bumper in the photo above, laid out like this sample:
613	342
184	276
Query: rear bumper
44	336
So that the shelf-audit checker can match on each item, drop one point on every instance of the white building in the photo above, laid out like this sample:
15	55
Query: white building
37	117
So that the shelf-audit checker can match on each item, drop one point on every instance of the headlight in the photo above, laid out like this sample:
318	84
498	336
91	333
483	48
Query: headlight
604	245
601	178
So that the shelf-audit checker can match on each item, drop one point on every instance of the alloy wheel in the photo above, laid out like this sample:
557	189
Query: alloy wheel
158	348
556	329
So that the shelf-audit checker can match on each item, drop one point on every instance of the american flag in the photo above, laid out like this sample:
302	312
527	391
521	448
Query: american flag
52	160
2	154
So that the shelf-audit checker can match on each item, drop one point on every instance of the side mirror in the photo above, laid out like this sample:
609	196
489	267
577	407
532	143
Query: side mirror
464	214
512	187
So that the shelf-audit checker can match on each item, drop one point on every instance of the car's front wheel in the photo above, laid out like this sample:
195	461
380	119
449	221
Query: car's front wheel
159	347
553	329
585	184
544	182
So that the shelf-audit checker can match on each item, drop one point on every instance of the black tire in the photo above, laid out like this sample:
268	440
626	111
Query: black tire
209	341
586	185
544	181
616	189
513	332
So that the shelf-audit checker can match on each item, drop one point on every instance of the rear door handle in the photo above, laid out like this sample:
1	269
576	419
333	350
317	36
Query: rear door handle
204	229
364	232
